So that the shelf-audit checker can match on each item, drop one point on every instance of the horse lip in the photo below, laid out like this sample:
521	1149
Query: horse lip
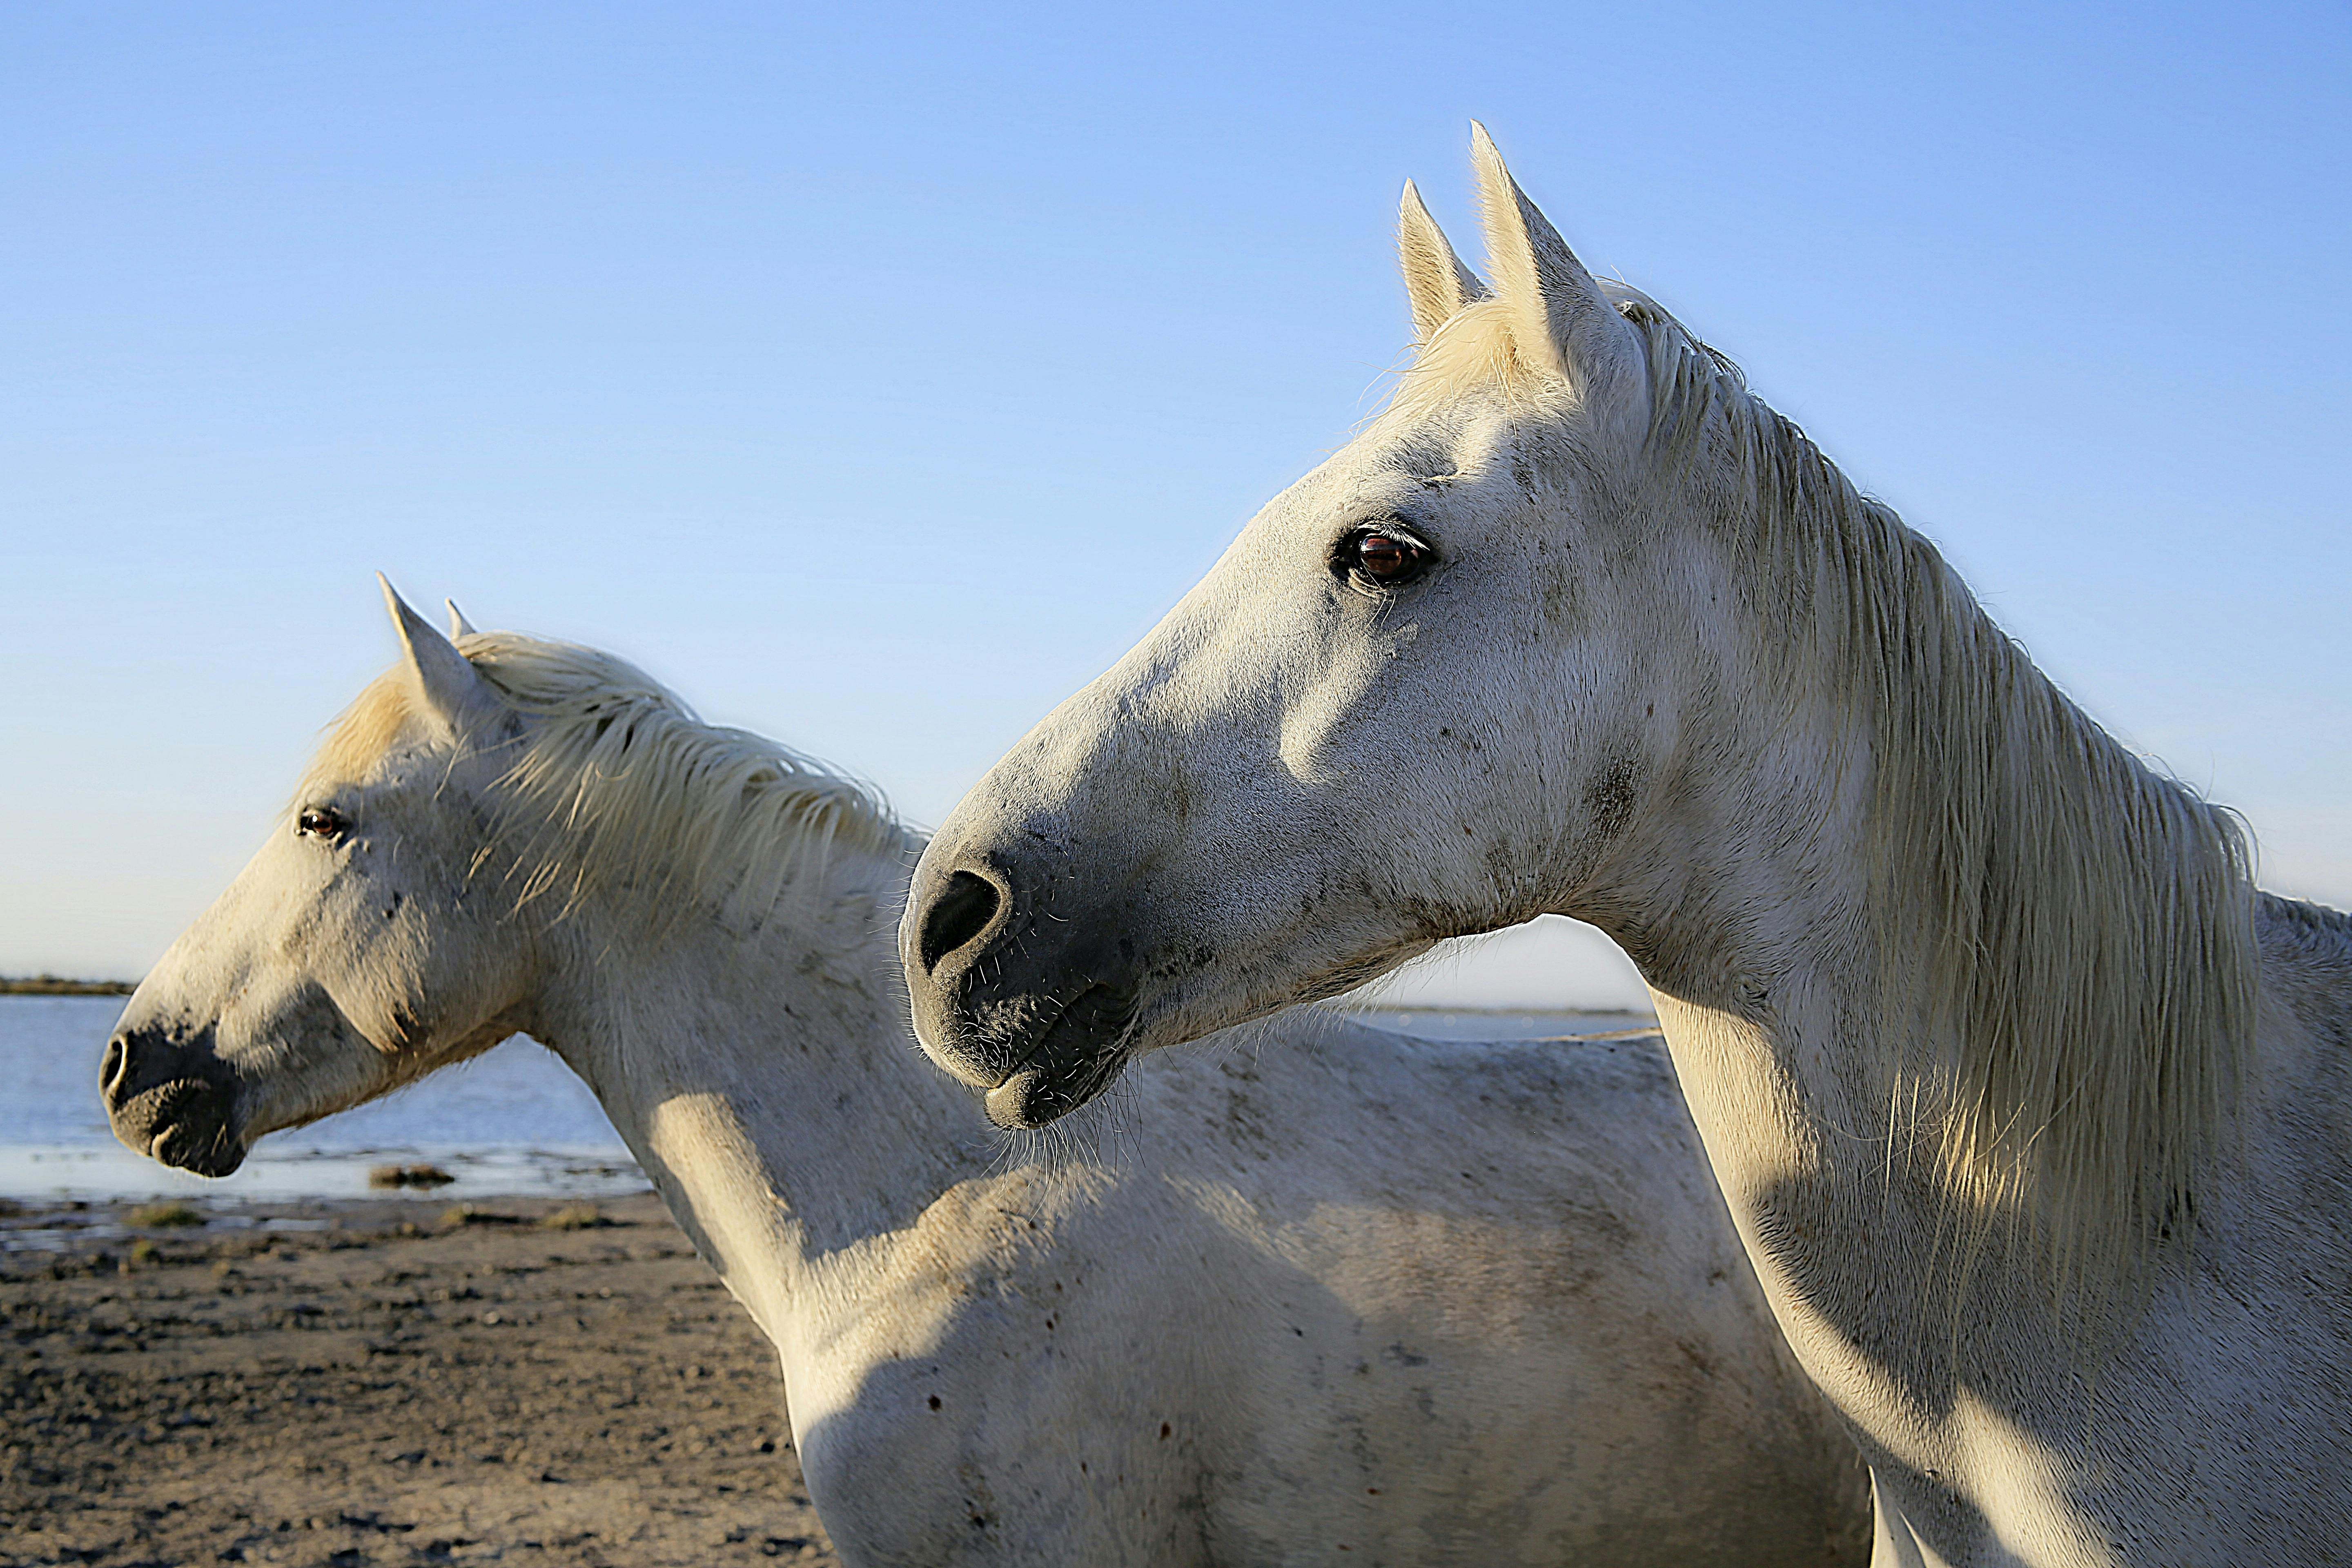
218	1155
1008	1103
1044	1036
203	1143
1064	1069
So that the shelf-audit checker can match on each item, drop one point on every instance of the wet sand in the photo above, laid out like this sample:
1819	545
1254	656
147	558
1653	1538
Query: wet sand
379	1382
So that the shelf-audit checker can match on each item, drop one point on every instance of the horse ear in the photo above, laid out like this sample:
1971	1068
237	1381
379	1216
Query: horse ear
459	627
1435	282
451	689
1561	318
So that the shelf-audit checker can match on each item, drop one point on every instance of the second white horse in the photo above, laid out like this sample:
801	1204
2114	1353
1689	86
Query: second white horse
1396	1301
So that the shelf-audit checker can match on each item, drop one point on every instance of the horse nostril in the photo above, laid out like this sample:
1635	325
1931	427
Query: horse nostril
959	913
109	1070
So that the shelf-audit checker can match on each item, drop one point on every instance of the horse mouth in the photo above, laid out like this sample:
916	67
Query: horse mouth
187	1125
1073	1061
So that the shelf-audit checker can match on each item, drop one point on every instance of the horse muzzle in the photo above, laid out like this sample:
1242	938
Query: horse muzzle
170	1099
1009	998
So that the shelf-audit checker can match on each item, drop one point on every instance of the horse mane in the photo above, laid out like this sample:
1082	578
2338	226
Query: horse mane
2066	934
617	788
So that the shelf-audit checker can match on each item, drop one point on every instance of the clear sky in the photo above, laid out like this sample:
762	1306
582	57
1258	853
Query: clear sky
876	375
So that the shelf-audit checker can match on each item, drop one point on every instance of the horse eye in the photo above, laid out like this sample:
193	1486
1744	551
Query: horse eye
321	822
1384	559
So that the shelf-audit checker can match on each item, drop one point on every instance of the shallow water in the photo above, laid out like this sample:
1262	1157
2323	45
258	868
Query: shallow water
513	1121
1499	1023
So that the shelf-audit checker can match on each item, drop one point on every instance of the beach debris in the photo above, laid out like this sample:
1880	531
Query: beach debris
165	1216
421	1175
576	1217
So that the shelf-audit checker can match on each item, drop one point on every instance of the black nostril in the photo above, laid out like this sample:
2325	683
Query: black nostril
959	913
110	1070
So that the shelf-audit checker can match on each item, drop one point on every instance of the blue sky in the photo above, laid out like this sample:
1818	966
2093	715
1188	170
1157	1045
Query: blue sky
875	376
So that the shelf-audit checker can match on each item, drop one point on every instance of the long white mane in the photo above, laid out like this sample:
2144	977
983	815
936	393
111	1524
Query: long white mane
617	788
2067	934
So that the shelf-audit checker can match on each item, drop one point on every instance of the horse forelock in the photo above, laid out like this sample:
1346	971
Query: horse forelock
614	786
2066	933
363	734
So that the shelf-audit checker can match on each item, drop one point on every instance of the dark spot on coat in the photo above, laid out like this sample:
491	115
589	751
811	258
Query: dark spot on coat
1610	795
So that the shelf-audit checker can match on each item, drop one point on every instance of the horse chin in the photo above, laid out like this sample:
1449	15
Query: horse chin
1089	1046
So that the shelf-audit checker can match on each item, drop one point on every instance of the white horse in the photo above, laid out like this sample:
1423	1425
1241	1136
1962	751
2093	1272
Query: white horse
1403	1302
2032	1113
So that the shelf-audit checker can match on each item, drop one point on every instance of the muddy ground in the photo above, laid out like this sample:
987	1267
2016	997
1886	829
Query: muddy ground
384	1381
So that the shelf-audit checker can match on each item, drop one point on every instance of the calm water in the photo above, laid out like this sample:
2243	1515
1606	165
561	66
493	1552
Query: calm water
513	1120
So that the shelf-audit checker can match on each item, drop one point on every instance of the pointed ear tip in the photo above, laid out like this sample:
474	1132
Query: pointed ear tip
1493	175
393	602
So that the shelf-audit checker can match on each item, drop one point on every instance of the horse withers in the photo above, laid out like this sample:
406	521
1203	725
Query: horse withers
1368	1299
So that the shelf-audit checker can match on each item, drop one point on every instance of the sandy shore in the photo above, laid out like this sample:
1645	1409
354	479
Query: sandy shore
372	1383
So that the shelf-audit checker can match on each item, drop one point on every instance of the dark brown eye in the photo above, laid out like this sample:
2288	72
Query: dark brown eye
1383	559
321	822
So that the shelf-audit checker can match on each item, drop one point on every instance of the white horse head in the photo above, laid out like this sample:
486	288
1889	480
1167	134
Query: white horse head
356	951
399	919
1578	625
1321	762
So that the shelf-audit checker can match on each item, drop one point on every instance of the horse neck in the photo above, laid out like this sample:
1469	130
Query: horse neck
1926	943
766	1082
1741	900
1748	869
1768	890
